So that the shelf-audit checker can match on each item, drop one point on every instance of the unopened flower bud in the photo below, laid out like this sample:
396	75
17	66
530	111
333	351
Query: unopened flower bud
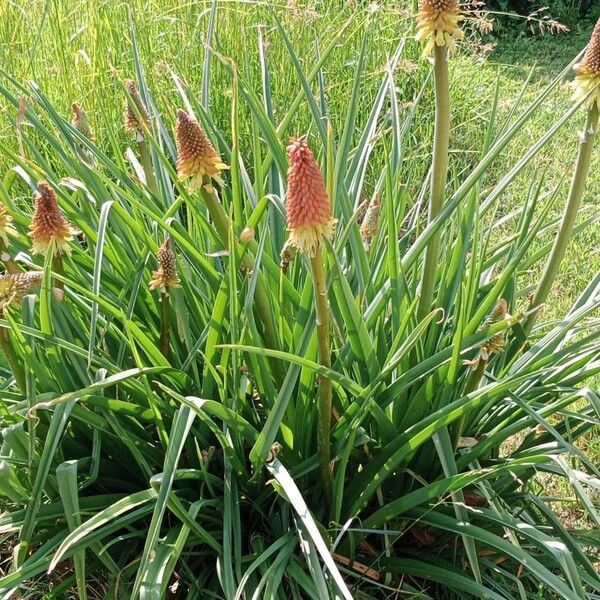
48	223
165	276
197	158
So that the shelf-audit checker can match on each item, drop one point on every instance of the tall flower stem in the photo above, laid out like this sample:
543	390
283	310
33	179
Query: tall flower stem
58	268
222	224
472	384
165	325
325	386
569	216
439	174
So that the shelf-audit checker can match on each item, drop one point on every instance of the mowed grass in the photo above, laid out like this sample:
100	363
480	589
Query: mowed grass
81	51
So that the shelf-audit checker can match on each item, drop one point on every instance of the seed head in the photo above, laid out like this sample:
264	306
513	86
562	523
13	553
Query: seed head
80	121
166	275
196	156
587	72
308	208
437	24
14	286
6	227
137	119
48	224
370	224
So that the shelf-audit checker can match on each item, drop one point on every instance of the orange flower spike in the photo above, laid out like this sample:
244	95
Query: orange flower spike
48	223
166	275
137	118
587	72
197	158
438	24
308	208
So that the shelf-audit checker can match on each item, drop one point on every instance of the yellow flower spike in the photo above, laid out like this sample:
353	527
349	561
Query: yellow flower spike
437	24
587	72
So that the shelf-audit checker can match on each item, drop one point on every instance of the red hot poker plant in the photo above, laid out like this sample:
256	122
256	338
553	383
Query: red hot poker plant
311	223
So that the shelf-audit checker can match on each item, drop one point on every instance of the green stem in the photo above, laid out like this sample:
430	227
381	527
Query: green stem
439	174
472	385
576	191
146	160
58	268
13	361
264	309
165	325
325	386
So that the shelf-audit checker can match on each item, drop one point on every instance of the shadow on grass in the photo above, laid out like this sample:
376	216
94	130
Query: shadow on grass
548	52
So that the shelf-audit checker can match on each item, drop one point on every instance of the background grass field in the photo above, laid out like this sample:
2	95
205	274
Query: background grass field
80	50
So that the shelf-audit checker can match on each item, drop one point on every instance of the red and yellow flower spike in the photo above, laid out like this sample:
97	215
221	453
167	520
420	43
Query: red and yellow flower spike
587	72
48	223
197	158
165	276
438	24
308	208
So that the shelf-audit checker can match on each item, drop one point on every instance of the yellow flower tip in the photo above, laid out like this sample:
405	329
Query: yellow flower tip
197	158
6	228
308	208
137	118
587	72
80	121
48	224
15	286
165	276
438	24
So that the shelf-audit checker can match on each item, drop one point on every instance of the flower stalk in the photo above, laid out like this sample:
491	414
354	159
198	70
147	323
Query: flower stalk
492	346
163	279
325	385
199	161
439	174
586	85
310	223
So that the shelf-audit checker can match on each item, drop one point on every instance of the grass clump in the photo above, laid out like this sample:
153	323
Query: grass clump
198	411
